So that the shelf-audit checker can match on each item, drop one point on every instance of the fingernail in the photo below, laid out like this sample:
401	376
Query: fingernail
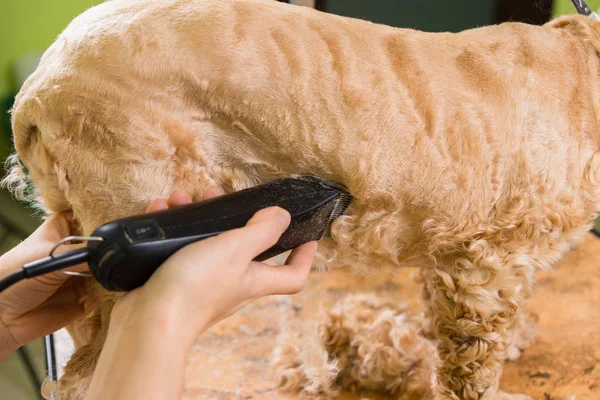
284	218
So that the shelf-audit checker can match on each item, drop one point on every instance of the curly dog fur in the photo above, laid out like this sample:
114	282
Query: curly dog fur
474	156
367	342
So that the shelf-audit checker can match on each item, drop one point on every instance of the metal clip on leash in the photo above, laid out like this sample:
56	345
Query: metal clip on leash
79	239
52	263
584	9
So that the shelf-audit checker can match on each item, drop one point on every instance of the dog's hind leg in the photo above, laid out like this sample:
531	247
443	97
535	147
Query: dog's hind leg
524	331
474	304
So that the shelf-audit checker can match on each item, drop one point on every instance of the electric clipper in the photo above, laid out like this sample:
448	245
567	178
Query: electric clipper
122	255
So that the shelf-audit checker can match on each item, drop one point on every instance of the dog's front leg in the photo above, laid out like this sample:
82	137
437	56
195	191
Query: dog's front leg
89	334
473	309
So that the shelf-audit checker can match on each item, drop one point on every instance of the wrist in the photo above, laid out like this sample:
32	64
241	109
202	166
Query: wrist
162	316
138	336
7	342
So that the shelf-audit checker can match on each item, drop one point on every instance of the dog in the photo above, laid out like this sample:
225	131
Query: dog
474	155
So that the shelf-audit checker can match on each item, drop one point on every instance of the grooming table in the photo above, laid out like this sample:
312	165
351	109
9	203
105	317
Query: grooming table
231	360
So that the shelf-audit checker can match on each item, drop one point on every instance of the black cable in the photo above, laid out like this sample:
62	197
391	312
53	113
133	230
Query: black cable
12	279
44	266
54	263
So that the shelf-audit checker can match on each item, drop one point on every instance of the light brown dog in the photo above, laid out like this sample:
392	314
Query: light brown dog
473	155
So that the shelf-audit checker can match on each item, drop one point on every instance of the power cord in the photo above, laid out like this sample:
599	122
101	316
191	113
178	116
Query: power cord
44	266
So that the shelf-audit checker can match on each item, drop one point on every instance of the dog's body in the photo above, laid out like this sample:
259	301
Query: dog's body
474	155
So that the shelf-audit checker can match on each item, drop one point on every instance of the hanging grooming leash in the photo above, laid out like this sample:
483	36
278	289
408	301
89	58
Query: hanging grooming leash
584	9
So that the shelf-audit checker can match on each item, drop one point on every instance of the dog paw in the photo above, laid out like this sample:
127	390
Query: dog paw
364	342
49	389
512	396
525	331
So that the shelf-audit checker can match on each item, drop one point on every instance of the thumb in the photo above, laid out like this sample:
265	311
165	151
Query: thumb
289	279
260	233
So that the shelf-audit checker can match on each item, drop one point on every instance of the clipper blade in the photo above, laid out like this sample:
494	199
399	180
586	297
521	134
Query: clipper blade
341	203
341	206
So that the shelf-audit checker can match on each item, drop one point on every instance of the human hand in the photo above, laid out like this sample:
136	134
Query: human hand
202	283
36	307
210	280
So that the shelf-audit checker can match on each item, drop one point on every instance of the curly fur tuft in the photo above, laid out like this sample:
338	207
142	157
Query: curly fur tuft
371	343
305	364
16	180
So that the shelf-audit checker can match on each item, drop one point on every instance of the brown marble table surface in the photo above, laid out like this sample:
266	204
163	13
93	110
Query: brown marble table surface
232	360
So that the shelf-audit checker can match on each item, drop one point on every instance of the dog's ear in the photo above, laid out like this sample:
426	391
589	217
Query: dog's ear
16	180
53	181
585	28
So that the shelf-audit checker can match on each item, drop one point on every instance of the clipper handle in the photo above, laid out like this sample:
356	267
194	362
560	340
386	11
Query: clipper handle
133	248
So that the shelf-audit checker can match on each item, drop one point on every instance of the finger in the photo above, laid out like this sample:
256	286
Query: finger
67	293
61	223
179	198
303	254
60	309
46	320
212	192
68	216
60	297
74	225
157	205
260	233
289	279
57	277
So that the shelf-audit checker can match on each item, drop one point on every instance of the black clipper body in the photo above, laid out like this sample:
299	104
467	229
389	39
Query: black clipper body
133	248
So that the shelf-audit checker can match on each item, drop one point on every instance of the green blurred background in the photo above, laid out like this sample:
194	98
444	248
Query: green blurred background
566	6
28	26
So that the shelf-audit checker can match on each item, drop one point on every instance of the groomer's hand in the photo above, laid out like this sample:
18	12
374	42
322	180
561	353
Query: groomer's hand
36	307
212	279
153	328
